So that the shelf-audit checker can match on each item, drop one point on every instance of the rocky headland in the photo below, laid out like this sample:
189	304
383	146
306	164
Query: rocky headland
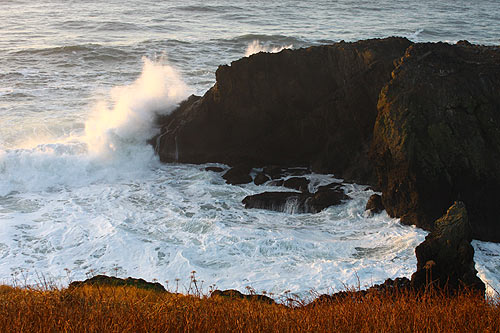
418	121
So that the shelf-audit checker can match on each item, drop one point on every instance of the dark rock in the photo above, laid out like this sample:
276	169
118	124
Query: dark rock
390	285
238	175
437	136
214	169
446	258
290	202
103	280
295	203
325	198
273	171
374	204
297	183
235	294
260	179
314	106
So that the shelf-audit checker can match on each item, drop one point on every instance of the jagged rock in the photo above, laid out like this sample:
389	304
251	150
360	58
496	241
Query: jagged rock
374	204
294	202
231	293
260	179
446	257
297	183
238	175
214	169
314	106
437	136
103	280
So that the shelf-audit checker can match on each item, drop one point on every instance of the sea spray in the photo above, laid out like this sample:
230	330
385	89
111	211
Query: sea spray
158	90
256	47
112	145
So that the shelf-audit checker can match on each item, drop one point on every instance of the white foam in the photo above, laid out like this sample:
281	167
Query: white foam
256	47
180	218
487	259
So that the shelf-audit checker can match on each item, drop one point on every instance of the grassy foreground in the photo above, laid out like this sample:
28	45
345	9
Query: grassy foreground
128	309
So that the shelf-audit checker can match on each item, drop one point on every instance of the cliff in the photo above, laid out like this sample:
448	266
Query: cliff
308	107
420	121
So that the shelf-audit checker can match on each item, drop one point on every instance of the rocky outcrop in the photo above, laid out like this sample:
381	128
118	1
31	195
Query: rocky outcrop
295	202
374	204
235	294
104	280
431	128
307	107
238	175
437	136
446	258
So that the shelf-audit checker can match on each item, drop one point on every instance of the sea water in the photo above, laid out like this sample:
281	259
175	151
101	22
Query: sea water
81	193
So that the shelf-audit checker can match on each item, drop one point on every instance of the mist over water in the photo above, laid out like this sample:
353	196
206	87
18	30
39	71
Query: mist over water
80	188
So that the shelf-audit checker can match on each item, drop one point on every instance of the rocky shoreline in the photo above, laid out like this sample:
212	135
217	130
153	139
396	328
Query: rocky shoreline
418	121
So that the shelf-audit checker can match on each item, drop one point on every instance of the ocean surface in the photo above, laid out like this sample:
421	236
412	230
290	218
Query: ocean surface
81	193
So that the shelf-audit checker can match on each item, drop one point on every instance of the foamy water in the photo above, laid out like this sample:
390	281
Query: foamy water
82	192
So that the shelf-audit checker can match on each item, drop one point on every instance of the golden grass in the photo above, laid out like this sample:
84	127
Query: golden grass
128	309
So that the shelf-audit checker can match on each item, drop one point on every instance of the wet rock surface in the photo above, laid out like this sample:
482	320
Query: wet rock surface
295	202
238	175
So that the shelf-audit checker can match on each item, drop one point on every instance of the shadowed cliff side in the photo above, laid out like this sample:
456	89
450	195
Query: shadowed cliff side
314	107
437	136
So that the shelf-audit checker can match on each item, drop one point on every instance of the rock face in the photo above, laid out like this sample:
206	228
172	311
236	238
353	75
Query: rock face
437	136
446	257
307	107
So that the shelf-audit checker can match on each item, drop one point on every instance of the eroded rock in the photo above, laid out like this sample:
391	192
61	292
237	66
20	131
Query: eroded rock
446	258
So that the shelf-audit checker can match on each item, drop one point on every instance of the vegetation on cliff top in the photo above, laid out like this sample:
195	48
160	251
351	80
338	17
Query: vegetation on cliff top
129	309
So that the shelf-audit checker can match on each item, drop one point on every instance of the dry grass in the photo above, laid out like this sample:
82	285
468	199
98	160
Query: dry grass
127	309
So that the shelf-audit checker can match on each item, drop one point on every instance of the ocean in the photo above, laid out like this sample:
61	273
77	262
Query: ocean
81	192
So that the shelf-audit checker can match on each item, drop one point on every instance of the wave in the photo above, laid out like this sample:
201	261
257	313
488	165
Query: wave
278	39
74	49
113	142
205	9
256	47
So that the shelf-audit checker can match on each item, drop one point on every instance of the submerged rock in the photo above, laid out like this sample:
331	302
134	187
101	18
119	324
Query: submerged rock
437	136
446	258
103	280
294	202
314	106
